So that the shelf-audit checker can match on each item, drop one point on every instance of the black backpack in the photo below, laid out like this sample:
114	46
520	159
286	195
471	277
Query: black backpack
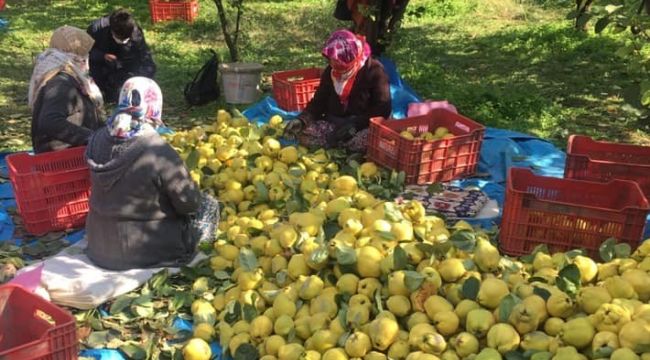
204	87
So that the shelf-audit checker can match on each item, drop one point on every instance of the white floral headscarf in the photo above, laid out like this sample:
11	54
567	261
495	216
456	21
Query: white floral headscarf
139	109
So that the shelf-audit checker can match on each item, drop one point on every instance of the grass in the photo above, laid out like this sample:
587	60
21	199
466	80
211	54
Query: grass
513	64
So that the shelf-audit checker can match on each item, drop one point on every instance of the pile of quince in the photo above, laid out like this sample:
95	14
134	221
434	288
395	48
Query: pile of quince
309	266
440	132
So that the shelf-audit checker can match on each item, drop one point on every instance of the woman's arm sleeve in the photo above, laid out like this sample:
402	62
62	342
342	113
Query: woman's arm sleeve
54	117
176	182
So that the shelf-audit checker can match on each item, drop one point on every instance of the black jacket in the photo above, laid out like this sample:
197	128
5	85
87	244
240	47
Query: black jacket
133	57
369	97
140	199
62	116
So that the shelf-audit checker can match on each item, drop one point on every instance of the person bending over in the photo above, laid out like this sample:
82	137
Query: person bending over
120	52
66	104
353	88
144	206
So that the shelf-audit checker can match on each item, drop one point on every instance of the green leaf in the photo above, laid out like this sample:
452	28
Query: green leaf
262	192
246	352
400	258
413	280
573	253
159	280
330	229
319	256
133	351
427	249
345	255
247	259
463	239
514	355
645	98
249	312
180	300
606	249
98	339
378	302
470	288
568	279
622	250
601	24
233	312
221	275
506	306
120	304
603	352
192	160
543	293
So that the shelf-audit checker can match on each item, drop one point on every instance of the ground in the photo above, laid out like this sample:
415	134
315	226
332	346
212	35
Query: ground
511	64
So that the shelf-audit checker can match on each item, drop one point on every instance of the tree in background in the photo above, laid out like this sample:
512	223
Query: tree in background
377	20
230	34
626	17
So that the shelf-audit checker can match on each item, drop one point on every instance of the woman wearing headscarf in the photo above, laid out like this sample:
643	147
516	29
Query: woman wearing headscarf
353	88
65	102
143	200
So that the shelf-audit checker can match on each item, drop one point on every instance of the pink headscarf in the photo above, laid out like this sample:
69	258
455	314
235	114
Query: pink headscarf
347	53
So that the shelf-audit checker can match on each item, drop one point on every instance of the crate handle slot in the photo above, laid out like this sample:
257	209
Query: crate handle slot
461	126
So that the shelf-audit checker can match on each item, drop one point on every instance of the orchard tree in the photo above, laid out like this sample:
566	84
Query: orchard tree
631	17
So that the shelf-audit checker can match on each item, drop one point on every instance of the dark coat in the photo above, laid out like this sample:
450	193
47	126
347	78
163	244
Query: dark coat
140	202
369	97
133	58
62	116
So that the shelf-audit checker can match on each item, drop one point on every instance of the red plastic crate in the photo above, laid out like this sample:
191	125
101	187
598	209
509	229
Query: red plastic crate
51	189
427	161
32	328
592	160
173	10
569	214
294	89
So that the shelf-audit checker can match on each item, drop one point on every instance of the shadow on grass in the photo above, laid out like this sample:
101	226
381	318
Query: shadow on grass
550	80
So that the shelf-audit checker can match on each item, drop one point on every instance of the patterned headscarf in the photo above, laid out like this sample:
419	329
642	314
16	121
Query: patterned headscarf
139	109
347	53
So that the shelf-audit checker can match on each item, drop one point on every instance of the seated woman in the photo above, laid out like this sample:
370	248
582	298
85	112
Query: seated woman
353	88
142	197
65	102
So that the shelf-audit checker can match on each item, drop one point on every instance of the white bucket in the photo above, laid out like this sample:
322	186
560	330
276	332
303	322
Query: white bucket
241	82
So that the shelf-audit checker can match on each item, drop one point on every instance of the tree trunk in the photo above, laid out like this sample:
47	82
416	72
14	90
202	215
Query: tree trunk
582	10
223	20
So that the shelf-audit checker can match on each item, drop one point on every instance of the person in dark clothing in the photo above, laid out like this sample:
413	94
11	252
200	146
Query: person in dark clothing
120	52
144	205
377	20
354	87
65	102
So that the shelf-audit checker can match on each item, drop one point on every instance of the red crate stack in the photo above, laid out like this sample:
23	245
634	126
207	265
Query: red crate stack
173	10
294	89
33	328
569	214
427	161
51	189
592	160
